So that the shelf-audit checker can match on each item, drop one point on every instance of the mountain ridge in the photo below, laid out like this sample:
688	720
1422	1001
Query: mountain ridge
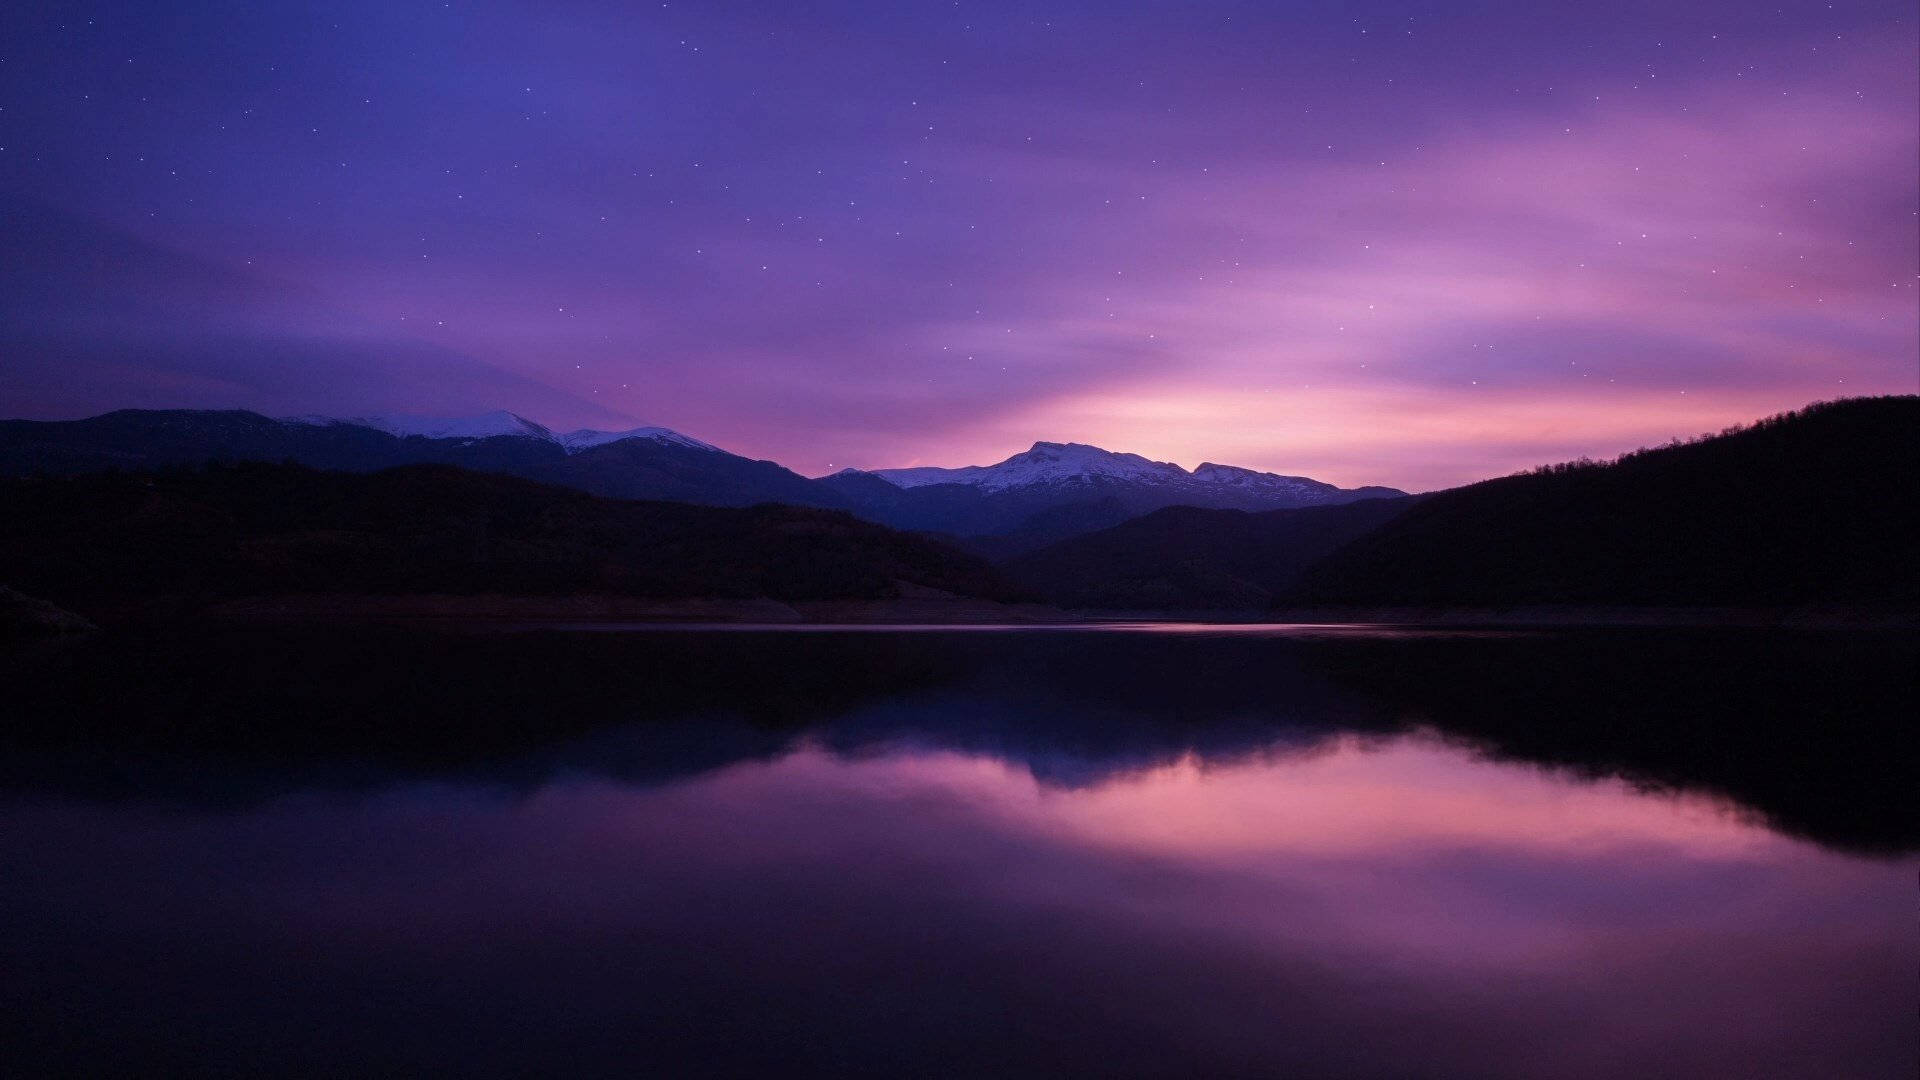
1070	462
499	423
640	463
1815	506
1807	508
1049	492
1055	491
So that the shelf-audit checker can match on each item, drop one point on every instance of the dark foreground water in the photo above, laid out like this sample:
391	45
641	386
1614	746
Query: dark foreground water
980	854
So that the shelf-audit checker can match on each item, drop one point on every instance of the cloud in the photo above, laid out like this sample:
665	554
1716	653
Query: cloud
1625	273
99	318
870	237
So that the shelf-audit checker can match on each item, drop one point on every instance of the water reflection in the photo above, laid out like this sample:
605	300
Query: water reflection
1811	732
974	855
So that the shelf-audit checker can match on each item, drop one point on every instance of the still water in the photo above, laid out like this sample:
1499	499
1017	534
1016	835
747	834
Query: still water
1191	853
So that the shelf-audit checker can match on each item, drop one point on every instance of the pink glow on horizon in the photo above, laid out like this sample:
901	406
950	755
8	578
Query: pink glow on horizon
1426	342
1239	263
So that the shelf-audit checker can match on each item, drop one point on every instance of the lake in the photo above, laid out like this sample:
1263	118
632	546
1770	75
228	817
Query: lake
1153	852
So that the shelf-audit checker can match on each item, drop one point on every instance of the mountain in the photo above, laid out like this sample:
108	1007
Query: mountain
1194	558
255	529
1808	508
1058	490
1074	466
641	463
1045	463
1814	507
1053	491
677	468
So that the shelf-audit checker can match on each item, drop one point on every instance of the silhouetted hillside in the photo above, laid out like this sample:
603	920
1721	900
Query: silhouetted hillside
997	524
673	468
256	529
1819	506
1187	557
645	469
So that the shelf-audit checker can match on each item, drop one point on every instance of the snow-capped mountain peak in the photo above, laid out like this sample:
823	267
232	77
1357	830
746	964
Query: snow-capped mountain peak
576	441
1044	463
1049	464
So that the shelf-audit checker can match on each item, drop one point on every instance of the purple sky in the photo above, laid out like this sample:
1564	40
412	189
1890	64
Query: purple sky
1410	244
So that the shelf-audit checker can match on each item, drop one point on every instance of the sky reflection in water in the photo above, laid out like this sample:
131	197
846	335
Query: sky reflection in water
1356	903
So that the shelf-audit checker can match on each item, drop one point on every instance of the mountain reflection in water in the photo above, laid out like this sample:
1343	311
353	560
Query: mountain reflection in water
1032	853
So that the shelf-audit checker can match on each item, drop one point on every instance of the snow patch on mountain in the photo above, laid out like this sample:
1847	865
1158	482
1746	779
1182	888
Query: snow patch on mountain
484	426
501	423
1251	480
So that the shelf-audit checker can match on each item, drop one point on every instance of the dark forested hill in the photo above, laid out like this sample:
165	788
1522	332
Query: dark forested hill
1819	506
660	465
1188	557
257	529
